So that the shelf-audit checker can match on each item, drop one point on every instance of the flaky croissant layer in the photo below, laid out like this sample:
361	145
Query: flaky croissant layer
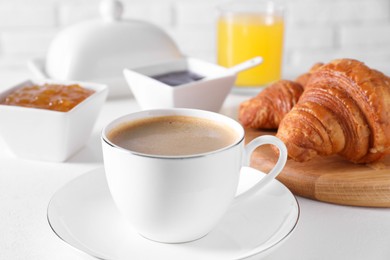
345	110
267	109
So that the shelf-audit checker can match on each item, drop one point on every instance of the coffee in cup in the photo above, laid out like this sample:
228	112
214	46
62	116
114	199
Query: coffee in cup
173	173
172	135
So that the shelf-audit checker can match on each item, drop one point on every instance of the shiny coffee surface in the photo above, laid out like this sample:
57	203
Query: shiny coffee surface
172	136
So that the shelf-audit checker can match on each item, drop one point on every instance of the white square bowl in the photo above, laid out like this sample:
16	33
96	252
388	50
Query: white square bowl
208	93
41	134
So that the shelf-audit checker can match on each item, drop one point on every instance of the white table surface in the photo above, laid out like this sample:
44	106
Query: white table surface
324	231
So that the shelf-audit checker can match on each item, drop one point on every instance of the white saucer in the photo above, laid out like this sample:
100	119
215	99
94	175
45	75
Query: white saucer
83	214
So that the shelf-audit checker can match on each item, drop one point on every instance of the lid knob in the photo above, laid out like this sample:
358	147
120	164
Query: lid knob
111	10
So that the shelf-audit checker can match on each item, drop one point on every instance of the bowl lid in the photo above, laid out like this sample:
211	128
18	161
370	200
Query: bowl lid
100	49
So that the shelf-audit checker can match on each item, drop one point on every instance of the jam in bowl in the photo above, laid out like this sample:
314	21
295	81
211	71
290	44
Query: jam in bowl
32	129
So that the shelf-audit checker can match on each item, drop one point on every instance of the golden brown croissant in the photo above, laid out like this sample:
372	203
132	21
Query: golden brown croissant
345	110
267	109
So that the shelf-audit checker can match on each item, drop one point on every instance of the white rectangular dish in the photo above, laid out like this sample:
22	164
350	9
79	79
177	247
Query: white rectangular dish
41	134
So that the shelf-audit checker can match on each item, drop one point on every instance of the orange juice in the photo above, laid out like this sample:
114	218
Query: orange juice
244	36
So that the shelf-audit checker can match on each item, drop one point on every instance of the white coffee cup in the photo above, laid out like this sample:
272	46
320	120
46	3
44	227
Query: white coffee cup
174	199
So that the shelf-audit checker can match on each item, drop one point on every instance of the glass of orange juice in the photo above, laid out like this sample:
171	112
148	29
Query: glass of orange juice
247	29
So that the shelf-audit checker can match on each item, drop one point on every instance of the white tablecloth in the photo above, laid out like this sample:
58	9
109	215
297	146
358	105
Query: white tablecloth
324	231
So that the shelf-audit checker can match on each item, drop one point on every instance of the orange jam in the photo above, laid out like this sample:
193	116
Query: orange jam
49	96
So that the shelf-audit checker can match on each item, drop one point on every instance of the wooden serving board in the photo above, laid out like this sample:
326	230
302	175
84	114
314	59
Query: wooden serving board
329	179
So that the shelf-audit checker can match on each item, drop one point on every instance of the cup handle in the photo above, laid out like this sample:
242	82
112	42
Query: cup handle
249	148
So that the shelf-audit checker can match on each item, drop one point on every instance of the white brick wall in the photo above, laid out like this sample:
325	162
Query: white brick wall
316	30
15	15
339	11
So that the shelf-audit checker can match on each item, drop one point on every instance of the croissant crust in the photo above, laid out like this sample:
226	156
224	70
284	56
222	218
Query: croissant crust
345	110
267	109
